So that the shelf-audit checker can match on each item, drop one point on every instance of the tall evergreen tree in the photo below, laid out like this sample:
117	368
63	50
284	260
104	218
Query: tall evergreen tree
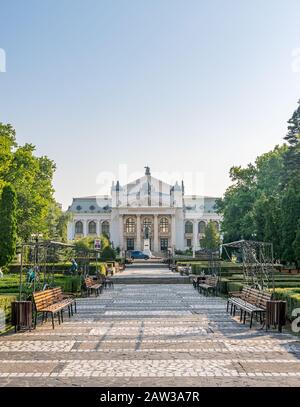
290	214
292	156
8	225
293	135
296	244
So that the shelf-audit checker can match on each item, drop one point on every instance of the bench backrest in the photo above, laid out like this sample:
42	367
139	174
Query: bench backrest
57	294
42	299
255	296
89	281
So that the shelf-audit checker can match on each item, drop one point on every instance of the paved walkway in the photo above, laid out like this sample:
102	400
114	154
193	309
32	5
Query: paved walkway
149	272
149	335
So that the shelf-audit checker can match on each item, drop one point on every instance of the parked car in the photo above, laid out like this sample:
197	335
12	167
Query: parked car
138	254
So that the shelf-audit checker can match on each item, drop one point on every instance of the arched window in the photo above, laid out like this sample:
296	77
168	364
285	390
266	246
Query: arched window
78	227
130	225
147	223
188	227
201	227
92	228
105	227
164	225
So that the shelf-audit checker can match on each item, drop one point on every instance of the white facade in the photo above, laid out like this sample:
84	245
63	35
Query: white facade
148	205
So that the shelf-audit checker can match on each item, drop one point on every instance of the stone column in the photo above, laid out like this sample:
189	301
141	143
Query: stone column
155	234
195	235
173	232
98	227
138	232
121	233
85	227
71	230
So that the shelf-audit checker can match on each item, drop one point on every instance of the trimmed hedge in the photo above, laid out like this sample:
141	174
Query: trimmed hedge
291	296
233	286
58	268
5	304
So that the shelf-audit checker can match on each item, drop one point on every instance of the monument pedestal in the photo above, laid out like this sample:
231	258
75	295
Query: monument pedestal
146	249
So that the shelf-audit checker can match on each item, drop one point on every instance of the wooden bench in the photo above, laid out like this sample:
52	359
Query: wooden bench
91	285
209	285
105	281
198	280
250	301
52	301
184	270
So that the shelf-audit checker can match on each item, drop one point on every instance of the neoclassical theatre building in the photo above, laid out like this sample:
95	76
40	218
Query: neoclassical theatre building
147	207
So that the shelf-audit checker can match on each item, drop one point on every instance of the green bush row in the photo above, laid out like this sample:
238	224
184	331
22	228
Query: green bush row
291	296
56	268
5	305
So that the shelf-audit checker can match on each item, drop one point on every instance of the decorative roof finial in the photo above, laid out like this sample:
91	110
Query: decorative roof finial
147	170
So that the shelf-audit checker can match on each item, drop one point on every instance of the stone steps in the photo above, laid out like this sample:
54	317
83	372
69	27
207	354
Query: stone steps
150	280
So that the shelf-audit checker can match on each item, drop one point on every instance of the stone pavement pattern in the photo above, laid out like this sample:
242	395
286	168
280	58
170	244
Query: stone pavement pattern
149	335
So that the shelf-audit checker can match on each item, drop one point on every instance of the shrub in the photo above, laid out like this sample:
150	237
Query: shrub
108	253
232	286
223	285
290	296
72	284
5	304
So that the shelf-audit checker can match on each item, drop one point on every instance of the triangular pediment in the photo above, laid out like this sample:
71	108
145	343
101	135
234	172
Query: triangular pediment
146	184
146	191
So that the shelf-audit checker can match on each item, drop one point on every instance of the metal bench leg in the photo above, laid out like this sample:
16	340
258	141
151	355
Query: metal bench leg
227	306
241	315
62	315
52	315
75	306
58	316
69	310
245	314
251	320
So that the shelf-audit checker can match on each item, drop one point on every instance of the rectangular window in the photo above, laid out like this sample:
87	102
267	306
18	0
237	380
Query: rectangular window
130	244
189	242
163	244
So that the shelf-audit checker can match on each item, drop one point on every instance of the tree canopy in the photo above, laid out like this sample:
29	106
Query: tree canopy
8	226
263	202
31	177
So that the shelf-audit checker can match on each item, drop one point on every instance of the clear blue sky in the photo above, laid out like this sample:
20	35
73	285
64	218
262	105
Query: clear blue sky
180	85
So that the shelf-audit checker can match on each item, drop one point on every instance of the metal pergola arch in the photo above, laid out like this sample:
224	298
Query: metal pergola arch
44	246
258	262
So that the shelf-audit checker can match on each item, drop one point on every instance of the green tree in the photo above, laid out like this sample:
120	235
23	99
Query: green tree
8	235
31	178
211	239
296	244
293	135
292	156
108	253
290	213
236	206
57	222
